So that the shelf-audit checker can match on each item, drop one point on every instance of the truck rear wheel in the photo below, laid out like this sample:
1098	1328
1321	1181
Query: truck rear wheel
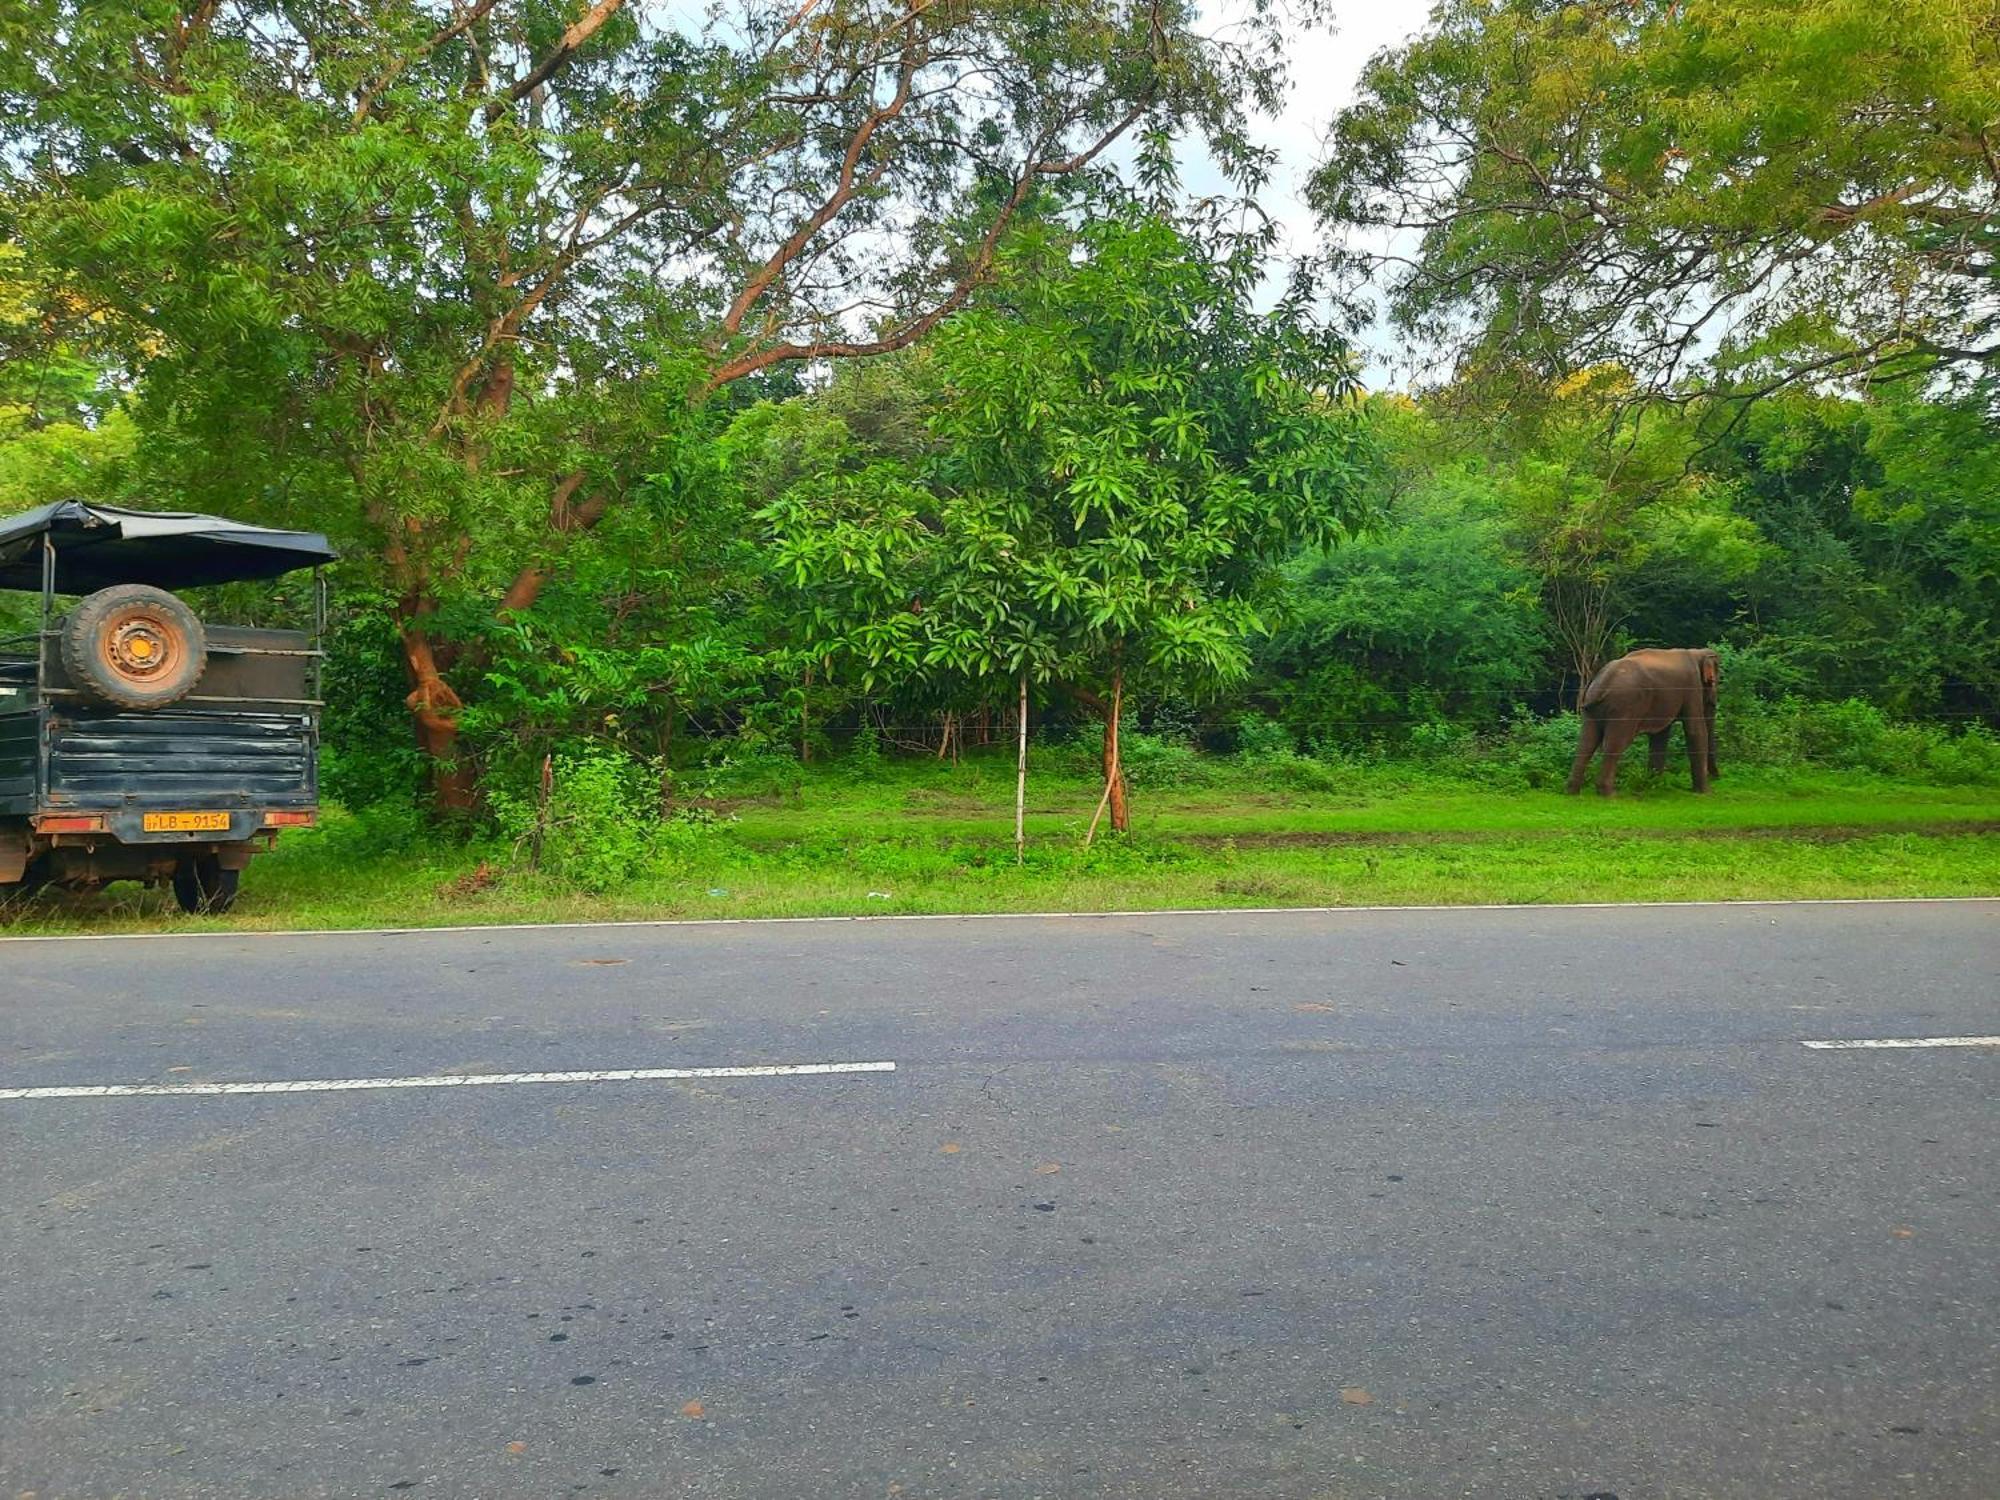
202	887
134	647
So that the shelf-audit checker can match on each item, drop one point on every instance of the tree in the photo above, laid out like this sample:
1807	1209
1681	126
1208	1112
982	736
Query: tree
1426	618
62	430
1607	515
1765	192
427	273
1125	452
1883	578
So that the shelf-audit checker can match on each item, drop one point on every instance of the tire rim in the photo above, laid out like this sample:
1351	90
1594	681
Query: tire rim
141	648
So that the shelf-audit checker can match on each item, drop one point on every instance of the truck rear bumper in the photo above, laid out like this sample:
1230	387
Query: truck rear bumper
120	847
129	825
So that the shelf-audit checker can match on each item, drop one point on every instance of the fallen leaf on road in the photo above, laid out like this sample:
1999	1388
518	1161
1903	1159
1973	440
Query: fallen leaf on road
1354	1395
517	1447
1312	1007
604	962
950	1148
694	1411
1902	1233
1048	1169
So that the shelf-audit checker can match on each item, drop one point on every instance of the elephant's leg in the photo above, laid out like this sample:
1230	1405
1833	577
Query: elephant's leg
1586	746
1700	751
1618	736
1656	759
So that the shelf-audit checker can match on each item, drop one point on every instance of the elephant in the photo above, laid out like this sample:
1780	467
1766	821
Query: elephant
1643	692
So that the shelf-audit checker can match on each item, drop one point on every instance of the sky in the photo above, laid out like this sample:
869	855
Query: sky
1325	67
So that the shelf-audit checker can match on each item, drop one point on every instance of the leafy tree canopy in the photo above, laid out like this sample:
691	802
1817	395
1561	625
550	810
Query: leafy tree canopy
1125	449
1757	191
431	273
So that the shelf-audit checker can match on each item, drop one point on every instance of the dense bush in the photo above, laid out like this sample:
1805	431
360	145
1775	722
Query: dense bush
1425	621
368	756
598	824
1854	735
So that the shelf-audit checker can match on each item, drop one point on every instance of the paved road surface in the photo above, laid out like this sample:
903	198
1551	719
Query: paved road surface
1487	1203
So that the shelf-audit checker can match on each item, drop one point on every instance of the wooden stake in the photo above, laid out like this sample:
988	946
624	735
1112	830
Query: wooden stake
805	711
1113	765
1091	832
1021	782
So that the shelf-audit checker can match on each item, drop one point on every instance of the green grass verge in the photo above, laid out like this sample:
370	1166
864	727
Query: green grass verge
918	837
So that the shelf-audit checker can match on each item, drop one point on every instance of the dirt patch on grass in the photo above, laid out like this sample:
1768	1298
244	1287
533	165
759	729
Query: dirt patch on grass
1810	833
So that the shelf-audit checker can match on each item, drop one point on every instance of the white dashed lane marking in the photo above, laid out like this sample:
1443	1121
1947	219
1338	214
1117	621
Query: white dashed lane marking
435	1081
1893	1042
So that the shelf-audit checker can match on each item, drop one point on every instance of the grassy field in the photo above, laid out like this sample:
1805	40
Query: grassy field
916	836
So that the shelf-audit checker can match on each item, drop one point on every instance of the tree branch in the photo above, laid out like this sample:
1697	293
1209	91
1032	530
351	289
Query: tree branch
975	274
846	185
581	31
375	90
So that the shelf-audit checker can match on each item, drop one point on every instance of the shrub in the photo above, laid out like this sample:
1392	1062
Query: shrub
1303	773
1968	759
1530	751
1437	740
734	769
1153	762
599	825
1258	736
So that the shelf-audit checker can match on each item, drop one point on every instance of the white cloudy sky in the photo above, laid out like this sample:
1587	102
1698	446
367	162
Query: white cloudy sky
1324	69
1325	66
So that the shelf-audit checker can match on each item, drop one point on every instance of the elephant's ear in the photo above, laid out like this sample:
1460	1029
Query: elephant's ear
1711	668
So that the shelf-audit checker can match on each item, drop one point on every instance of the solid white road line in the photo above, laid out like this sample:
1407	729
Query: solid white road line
437	1081
1905	1041
238	934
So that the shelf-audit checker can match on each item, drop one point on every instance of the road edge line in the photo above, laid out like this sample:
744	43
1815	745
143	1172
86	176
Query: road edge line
612	923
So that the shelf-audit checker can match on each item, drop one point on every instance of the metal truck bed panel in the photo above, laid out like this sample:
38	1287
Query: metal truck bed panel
181	759
20	743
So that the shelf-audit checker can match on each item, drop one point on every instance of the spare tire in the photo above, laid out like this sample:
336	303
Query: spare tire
134	647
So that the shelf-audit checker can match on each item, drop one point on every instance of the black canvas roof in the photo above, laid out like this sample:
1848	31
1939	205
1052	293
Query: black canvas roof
101	545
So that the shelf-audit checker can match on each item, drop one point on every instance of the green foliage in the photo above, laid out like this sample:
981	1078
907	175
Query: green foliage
1152	762
1883	581
1763	191
63	432
599	827
1856	735
1119	452
1428	618
367	756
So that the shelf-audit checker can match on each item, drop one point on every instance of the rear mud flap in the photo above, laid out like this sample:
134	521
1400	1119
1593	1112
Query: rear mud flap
235	856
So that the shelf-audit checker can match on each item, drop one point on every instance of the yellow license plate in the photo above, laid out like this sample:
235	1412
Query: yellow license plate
187	822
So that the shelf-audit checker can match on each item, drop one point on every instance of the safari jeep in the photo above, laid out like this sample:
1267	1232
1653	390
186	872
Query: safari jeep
138	742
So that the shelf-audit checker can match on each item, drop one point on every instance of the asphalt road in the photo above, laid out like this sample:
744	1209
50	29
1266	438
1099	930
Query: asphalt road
1528	1203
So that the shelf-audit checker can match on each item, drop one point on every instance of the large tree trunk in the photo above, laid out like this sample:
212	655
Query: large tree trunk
434	705
434	710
